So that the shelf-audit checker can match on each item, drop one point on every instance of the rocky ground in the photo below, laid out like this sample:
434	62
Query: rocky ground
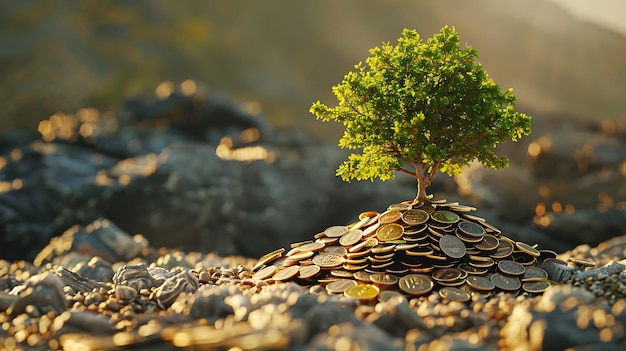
194	172
98	288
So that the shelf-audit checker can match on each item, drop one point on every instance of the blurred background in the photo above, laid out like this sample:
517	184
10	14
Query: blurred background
564	59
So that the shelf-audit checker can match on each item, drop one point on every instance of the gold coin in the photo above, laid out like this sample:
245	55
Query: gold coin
419	251
352	237
368	214
421	270
480	283
382	265
391	231
336	231
339	286
527	249
428	208
535	287
454	294
265	272
490	228
397	270
308	271
407	246
487	243
384	279
312	246
481	262
415	217
300	256
358	254
452	283
505	282
371	242
360	224
294	245
363	276
337	250
362	292
447	274
437	257
327	240
340	273
286	273
353	267
378	249
389	217
504	249
444	217
326	260
360	260
400	207
371	230
416	284
471	228
473	218
511	267
452	246
267	258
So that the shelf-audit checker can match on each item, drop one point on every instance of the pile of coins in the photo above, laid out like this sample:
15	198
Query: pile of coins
414	250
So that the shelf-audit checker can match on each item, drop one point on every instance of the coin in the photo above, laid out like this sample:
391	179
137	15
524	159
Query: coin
312	246
480	283
581	262
265	272
300	256
337	250
360	260
505	282
340	273
363	292
391	231
481	262
454	294
511	267
363	276
416	284
267	258
471	228
468	238
473	218
353	267
487	243
336	231
384	279
360	224
389	217
308	271
358	254
446	274
445	217
352	237
379	249
545	254
371	242
327	260
371	230
504	249
339	286
452	246
415	217
368	214
294	245
535	287
419	251
527	249
400	207
535	272
286	273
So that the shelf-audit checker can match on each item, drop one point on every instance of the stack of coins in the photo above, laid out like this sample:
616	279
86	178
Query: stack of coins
436	247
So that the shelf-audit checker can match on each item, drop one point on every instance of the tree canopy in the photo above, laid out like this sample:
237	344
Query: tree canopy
422	106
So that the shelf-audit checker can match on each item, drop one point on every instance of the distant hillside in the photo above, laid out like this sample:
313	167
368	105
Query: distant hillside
61	56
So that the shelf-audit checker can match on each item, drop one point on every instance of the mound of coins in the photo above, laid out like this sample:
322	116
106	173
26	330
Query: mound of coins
436	247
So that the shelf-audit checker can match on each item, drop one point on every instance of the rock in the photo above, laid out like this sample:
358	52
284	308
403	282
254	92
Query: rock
44	292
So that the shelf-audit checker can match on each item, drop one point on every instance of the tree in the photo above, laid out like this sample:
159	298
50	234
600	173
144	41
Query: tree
422	106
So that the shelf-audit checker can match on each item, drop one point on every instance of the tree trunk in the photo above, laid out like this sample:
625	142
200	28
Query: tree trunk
421	191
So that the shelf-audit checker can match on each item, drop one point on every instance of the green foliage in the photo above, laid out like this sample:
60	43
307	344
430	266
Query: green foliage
425	105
